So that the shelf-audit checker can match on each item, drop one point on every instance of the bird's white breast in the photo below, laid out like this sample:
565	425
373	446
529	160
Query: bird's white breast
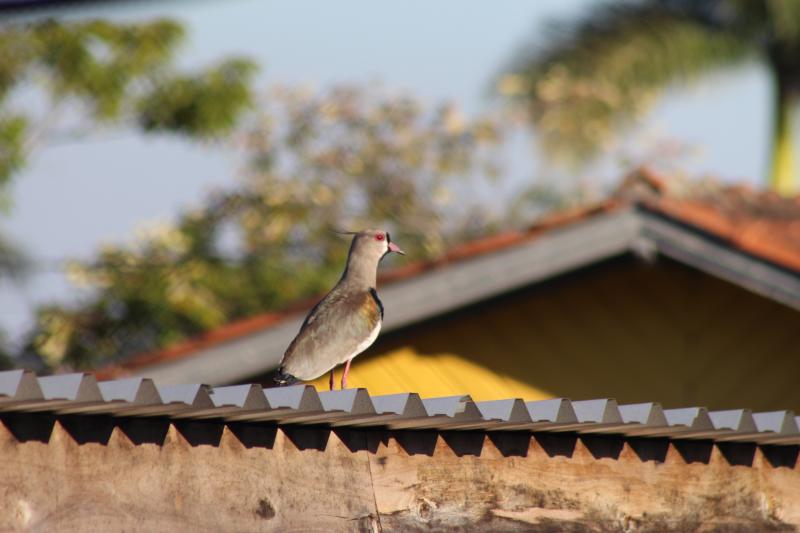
366	343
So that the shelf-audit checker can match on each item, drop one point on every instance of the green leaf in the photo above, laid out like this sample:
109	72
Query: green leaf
13	131
204	105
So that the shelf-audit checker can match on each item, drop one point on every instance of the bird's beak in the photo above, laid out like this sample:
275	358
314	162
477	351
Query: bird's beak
396	249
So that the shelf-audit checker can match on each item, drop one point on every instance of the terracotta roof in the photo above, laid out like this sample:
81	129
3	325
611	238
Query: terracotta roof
762	224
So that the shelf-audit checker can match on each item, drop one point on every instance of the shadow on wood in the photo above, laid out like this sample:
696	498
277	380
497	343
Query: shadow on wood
650	449
29	426
738	453
145	430
198	432
308	437
416	442
464	442
85	429
511	443
781	456
554	444
694	451
254	435
603	446
357	440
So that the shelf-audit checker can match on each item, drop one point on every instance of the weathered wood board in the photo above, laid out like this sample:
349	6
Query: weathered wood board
536	492
156	476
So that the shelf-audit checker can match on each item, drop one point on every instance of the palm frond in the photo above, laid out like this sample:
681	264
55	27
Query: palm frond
588	79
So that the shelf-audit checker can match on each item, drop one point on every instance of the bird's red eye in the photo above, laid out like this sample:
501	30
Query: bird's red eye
379	237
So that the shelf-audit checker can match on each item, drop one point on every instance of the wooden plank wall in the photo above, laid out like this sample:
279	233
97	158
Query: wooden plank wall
99	474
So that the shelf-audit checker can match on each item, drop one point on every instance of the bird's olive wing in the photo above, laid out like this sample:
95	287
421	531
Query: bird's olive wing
332	333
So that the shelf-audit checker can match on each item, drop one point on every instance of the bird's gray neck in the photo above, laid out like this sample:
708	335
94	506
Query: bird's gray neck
360	273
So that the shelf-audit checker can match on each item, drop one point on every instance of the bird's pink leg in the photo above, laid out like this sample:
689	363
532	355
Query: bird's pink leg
344	376
331	379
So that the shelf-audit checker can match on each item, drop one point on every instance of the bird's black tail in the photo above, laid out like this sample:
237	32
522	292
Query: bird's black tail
282	378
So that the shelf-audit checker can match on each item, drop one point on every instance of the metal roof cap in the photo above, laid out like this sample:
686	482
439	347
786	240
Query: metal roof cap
77	387
397	411
342	407
739	422
643	419
71	394
687	423
596	416
505	415
557	411
287	404
134	390
511	411
186	401
297	397
734	419
781	422
649	413
130	397
337	406
277	404
542	415
248	397
407	404
236	402
194	395
454	412
19	385
602	411
353	401
777	427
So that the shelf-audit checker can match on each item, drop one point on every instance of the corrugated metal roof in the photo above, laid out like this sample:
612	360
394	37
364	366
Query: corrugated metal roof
22	391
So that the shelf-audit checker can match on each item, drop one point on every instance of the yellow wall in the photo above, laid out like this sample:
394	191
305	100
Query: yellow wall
623	330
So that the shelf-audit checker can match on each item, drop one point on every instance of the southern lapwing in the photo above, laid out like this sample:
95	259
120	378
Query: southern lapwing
346	321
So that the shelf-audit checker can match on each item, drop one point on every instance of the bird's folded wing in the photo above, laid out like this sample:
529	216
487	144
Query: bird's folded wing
331	334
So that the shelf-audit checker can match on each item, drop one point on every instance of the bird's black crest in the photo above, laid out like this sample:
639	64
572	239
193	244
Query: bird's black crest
282	378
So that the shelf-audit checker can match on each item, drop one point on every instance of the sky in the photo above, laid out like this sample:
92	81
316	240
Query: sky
73	197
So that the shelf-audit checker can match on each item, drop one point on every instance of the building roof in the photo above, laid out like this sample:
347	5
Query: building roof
21	391
746	237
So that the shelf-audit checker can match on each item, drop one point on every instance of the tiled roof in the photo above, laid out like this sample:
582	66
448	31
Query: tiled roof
763	225
80	394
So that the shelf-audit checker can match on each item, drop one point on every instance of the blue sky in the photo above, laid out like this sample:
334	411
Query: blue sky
73	197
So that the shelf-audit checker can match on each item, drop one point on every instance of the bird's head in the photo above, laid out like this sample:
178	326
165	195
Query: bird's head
374	244
366	251
370	246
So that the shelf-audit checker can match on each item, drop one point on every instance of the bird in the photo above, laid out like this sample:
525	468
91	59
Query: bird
346	321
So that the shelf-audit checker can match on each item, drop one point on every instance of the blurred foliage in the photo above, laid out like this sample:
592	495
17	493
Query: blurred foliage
6	360
344	159
584	81
99	73
205	105
76	77
13	262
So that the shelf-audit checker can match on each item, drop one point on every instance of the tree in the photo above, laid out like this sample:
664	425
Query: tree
344	159
66	80
92	74
62	80
598	74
